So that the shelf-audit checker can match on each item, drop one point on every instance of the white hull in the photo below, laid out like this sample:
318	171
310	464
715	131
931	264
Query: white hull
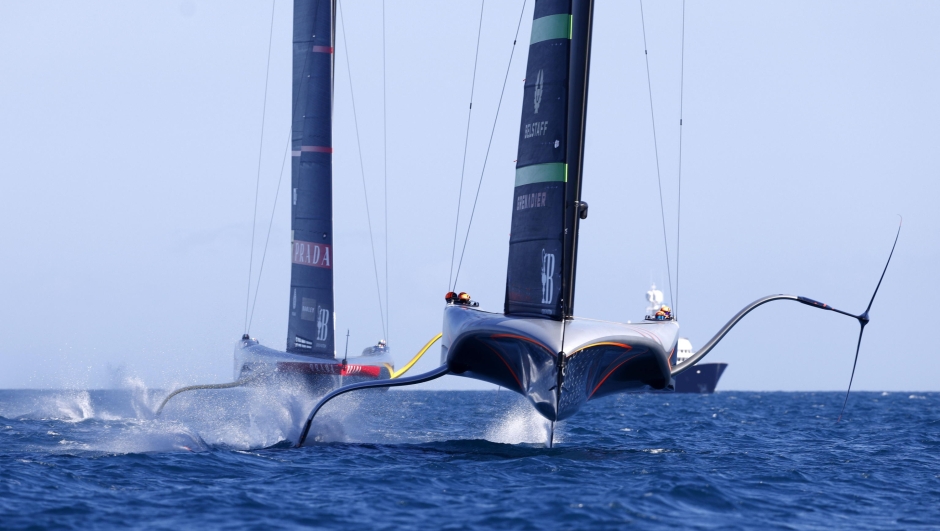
253	360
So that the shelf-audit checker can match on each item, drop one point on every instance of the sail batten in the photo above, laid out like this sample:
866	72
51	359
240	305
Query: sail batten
543	244
311	322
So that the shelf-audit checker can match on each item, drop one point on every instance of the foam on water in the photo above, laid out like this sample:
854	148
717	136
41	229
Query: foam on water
74	406
256	417
243	418
522	424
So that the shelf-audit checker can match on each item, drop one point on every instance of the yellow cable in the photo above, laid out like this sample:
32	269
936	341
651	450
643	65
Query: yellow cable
403	370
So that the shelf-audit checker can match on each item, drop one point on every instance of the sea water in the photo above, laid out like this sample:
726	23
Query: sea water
468	460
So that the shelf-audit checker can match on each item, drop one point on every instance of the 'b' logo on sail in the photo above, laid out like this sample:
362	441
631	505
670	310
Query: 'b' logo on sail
538	92
548	277
323	324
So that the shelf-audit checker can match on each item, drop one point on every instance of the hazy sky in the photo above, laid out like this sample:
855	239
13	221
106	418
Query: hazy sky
129	140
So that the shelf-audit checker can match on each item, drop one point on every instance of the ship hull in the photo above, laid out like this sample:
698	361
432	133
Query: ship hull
558	366
262	365
700	379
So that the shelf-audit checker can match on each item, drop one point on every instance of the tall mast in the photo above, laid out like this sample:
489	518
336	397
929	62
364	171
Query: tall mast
310	328
543	245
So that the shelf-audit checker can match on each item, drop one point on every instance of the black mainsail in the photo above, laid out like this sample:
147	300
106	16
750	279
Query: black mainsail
310	326
547	199
311	356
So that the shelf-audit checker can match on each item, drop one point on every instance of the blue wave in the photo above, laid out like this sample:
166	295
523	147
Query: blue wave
469	460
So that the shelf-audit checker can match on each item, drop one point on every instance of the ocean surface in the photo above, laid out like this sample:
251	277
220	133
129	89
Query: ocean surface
468	460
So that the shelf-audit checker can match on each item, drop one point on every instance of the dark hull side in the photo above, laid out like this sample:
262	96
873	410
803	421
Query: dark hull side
700	379
524	355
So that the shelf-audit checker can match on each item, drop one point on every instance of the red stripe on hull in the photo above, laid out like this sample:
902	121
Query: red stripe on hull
336	369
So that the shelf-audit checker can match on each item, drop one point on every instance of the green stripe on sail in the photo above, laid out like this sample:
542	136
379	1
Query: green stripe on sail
551	27
542	173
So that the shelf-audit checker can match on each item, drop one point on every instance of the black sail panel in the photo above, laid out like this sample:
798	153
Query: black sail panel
542	245
310	328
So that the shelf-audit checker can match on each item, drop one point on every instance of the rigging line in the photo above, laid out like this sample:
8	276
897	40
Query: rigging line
254	219
463	166
362	173
662	208
675	309
492	132
290	129
385	169
264	254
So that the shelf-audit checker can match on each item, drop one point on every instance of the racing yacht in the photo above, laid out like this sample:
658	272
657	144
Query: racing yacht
536	346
